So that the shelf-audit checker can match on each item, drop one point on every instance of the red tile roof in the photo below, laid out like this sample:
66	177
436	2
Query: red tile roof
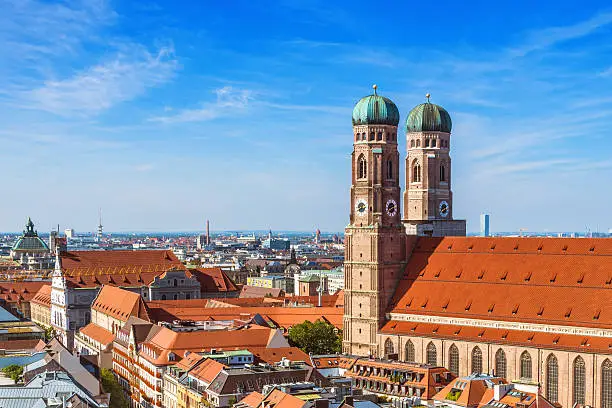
124	268
24	291
252	400
257	292
207	370
279	399
43	296
275	355
534	280
214	280
570	342
119	303
97	333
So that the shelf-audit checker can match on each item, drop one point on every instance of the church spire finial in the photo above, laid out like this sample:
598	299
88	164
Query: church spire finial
428	95
375	87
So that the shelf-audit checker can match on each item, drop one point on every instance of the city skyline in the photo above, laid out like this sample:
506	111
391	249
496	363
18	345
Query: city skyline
119	106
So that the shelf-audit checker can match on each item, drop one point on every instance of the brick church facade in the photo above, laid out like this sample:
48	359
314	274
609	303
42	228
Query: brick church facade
533	310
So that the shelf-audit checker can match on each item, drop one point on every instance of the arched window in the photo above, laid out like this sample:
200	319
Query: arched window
552	379
526	365
175	282
416	172
389	349
442	173
418	142
433	142
175	296
371	136
163	297
453	359
412	143
500	363
390	169
379	136
579	380
426	142
432	354
363	167
606	384
476	360
409	352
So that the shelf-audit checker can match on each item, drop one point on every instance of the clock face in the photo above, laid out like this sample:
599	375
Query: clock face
443	208
361	207
391	208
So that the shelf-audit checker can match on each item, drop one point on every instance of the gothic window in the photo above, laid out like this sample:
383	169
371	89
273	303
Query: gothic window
163	297
389	349
418	143
500	364
453	360
579	380
433	142
379	136
371	135
409	354
363	167
552	379
606	384
476	360
175	282
412	143
390	169
175	296
426	142
442	173
526	365
432	354
416	172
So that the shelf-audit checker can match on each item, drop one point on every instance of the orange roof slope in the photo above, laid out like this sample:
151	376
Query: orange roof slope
120	303
214	280
43	296
534	280
275	355
20	291
207	370
252	400
97	333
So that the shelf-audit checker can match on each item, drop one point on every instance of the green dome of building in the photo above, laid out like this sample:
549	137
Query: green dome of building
428	117
375	110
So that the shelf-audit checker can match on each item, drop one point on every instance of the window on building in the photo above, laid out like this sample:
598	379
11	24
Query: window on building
426	142
389	349
453	359
412	143
552	379
390	169
526	365
432	354
476	360
500	364
418	143
163	297
188	296
371	136
363	167
606	384
379	136
175	282
416	172
409	354
579	380
175	296
433	142
442	173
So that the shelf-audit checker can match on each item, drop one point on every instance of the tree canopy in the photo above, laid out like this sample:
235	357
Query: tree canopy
13	371
110	384
319	337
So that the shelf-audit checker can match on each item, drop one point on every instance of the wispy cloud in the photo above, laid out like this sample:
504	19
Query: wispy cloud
544	38
227	97
124	77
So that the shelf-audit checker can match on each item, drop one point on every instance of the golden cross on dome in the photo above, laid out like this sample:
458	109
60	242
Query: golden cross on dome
375	87
428	95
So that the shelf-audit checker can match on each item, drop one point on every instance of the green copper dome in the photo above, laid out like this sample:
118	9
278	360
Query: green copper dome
428	117
375	110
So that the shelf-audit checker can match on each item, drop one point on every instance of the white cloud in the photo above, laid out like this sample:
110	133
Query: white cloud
227	97
124	77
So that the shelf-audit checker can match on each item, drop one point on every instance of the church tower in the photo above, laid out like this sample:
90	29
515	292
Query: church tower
60	319
375	236
428	199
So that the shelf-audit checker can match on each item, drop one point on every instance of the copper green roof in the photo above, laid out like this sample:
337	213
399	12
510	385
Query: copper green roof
29	241
428	117
375	110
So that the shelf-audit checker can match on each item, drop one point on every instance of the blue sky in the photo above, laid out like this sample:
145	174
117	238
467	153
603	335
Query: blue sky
168	113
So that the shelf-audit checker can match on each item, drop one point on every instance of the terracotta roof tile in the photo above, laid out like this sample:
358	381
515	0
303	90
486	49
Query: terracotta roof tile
275	355
97	333
43	296
207	370
253	400
119	303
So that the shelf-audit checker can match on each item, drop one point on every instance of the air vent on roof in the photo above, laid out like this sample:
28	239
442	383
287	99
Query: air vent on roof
504	276
414	327
580	279
609	281
468	306
568	313
530	338
516	247
528	277
564	249
592	249
445	305
515	309
470	247
556	340
457	331
458	275
596	315
436	329
541	311
540	248
437	275
505	336
481	274
585	342
553	278
481	333
422	273
409	303
424	305
492	247
491	308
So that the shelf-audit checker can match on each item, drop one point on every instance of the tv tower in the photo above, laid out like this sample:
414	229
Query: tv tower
99	237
